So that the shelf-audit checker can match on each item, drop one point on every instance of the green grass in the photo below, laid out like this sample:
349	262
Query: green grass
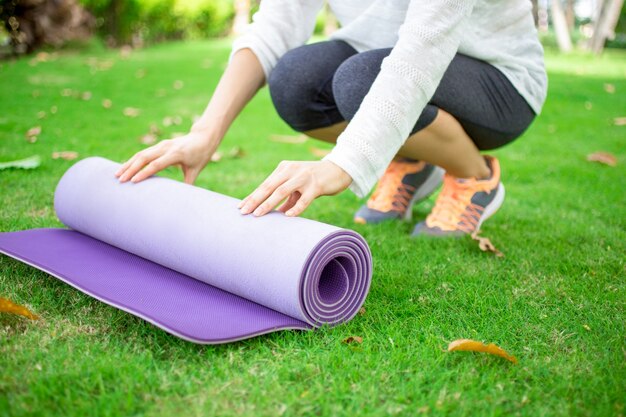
556	300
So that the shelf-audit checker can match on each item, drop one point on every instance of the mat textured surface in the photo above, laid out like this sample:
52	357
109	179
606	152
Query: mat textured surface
184	259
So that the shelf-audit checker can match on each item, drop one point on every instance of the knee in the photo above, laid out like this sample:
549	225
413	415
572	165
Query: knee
290	89
353	80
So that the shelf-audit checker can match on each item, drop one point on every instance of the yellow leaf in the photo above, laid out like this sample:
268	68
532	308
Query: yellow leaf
131	112
603	158
352	339
216	157
8	306
236	153
67	155
33	131
485	245
468	345
148	139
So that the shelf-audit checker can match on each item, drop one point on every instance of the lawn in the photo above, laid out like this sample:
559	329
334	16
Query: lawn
556	300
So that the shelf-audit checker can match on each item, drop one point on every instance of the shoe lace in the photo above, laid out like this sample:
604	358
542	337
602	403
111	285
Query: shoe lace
454	209
392	194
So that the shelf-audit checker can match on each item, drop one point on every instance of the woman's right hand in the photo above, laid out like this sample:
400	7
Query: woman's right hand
192	151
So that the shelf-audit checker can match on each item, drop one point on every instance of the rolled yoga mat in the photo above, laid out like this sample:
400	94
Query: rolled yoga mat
185	259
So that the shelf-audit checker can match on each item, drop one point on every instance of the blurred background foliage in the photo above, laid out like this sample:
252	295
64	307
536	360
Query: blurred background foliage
148	21
26	25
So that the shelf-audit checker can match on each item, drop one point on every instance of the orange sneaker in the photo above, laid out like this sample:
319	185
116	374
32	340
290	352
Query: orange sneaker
404	183
464	204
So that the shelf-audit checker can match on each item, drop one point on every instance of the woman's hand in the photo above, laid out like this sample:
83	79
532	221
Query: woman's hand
298	182
192	151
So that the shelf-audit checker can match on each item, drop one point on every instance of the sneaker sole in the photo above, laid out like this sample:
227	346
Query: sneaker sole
430	185
492	207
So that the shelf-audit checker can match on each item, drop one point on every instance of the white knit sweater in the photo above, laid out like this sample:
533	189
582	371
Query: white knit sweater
425	35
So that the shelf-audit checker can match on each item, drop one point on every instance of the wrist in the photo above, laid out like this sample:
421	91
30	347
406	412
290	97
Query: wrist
341	176
205	134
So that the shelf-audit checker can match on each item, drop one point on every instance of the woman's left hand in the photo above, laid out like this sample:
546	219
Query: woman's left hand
298	182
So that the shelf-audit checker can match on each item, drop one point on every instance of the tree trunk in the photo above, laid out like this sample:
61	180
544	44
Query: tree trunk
570	16
560	26
242	16
604	27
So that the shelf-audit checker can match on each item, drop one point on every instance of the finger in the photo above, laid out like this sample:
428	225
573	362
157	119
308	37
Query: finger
261	194
127	164
303	202
242	202
279	169
291	201
139	161
153	167
281	193
124	166
190	175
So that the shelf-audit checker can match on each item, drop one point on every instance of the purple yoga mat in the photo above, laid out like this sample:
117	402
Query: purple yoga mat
185	259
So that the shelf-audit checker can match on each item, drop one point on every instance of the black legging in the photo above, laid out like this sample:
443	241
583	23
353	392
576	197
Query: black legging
324	83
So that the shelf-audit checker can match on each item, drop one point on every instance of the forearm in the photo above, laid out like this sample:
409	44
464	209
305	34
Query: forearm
241	80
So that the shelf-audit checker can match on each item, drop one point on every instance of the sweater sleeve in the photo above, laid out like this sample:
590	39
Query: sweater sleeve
427	41
278	26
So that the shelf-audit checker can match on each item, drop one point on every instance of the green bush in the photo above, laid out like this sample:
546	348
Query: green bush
125	21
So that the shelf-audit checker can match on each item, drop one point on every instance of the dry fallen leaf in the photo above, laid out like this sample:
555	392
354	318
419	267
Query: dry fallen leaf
288	138
320	153
67	155
8	306
125	51
485	245
362	311
86	95
148	139
603	158
609	88
172	120
32	133
352	339
236	153
154	129
131	112
216	157
468	345
106	103
619	121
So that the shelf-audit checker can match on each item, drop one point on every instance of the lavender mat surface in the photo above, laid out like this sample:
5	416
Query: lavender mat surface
184	259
